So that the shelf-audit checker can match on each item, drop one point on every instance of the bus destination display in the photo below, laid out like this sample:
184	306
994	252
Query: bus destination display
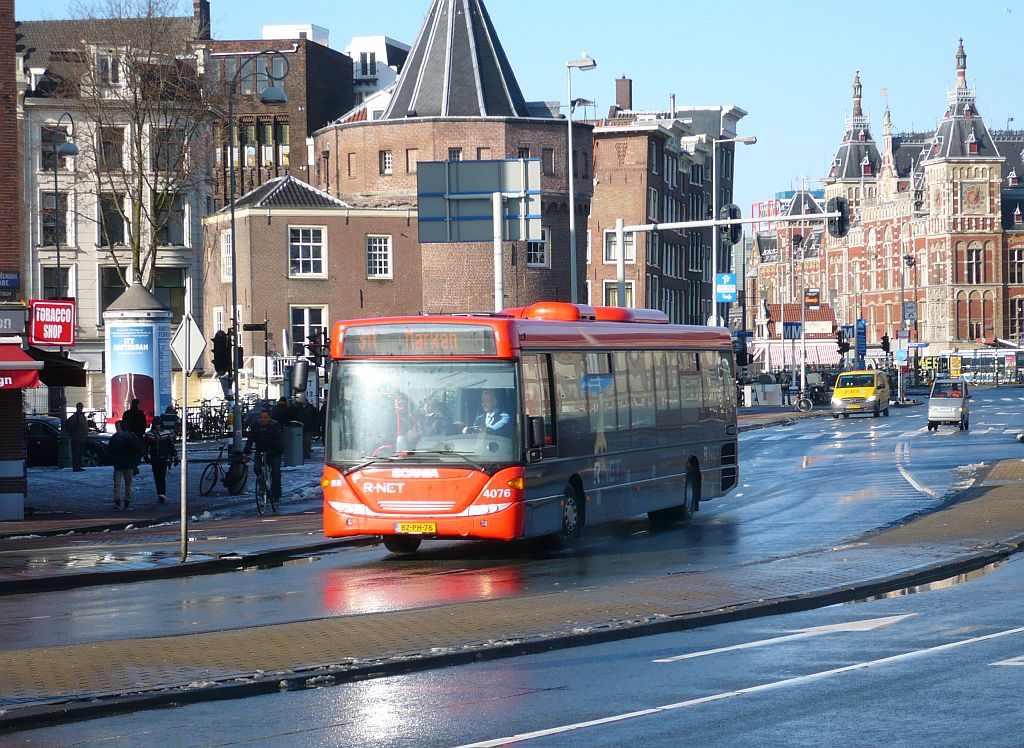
419	340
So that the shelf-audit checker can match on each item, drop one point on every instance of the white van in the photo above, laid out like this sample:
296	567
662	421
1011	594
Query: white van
949	402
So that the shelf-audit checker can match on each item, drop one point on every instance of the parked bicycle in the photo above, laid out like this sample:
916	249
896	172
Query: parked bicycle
804	403
232	471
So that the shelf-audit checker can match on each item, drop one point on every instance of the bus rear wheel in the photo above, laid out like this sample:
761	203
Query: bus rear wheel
685	511
402	543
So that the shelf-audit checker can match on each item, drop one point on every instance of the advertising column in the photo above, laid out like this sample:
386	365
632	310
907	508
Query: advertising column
138	362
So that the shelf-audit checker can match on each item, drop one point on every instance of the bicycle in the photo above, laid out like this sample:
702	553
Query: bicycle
804	404
264	488
215	473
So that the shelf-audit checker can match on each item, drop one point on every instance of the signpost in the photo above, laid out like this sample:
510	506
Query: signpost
52	323
188	345
725	287
862	342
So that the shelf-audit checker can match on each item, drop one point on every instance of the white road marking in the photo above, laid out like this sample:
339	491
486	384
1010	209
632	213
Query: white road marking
1012	661
805	437
775	437
868	624
798	680
902	453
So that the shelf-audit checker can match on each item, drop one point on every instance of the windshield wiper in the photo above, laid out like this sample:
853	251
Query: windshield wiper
445	452
367	461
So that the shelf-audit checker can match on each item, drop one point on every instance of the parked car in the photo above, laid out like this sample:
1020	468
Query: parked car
43	431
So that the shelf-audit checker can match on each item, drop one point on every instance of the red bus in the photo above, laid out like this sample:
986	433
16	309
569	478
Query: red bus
530	422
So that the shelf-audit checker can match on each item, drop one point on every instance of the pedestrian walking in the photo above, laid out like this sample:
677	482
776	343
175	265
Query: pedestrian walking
310	420
78	430
282	412
160	451
135	421
124	453
171	421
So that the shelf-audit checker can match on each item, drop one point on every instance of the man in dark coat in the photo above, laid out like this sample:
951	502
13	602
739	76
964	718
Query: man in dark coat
78	430
267	437
135	421
160	451
282	412
124	452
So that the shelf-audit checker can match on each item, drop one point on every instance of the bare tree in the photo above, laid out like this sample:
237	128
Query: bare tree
145	112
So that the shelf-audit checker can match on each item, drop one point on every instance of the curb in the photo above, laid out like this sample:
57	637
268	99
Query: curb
224	562
339	674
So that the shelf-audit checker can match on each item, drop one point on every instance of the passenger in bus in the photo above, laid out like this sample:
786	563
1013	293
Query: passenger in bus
435	420
492	419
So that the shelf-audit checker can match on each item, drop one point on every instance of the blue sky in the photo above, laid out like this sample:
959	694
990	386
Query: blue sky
789	64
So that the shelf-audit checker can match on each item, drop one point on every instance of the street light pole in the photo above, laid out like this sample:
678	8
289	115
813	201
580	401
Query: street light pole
270	95
714	319
67	148
586	62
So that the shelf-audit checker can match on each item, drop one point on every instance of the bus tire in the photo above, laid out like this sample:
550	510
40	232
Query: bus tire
691	501
402	543
572	516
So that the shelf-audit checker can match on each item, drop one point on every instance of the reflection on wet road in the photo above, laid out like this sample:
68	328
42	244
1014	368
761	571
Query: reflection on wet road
811	485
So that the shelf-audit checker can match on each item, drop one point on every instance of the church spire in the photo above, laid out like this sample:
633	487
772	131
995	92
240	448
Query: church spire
961	67
857	91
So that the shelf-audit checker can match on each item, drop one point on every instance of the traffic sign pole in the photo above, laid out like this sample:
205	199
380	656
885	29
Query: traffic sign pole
187	345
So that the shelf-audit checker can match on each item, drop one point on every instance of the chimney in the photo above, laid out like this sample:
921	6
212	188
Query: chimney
201	18
624	93
672	106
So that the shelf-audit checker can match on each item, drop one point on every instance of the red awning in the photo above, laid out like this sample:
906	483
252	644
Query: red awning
58	371
18	370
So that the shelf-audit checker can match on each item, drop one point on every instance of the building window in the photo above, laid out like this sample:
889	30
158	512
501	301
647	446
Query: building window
351	166
611	293
225	256
975	265
169	211
611	253
53	215
367	63
111	150
111	220
169	288
547	161
523	152
306	252
653	254
282	139
386	162
653	198
585	164
483	153
218	318
167	148
51	288
111	287
1017	265
537	251
50	139
109	69
454	154
378	257
306	322
1016	326
412	157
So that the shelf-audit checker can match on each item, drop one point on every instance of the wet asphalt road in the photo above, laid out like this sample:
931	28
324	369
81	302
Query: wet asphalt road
810	485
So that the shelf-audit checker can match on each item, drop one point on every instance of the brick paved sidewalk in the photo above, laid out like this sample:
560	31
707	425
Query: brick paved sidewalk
75	680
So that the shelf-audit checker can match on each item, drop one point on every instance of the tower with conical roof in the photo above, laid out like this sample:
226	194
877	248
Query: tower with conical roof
854	168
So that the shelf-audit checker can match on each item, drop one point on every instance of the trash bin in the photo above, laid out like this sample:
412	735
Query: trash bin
292	444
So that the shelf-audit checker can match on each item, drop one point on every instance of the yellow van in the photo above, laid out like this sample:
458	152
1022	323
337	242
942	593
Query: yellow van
861	392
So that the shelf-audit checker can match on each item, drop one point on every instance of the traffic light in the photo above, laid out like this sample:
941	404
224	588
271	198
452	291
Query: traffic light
221	353
841	343
885	343
840	225
734	233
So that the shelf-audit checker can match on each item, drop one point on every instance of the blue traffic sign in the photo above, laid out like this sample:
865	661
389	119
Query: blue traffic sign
725	287
791	330
901	354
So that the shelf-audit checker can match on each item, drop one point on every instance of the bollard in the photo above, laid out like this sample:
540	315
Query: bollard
292	444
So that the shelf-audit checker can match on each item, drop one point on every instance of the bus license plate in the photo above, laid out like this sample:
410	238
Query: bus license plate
415	528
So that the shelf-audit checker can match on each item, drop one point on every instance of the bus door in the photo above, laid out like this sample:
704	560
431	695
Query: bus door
537	399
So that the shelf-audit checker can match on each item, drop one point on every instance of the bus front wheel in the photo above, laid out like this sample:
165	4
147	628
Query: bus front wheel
572	516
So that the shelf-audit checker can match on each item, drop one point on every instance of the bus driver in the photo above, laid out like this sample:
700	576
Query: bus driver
492	420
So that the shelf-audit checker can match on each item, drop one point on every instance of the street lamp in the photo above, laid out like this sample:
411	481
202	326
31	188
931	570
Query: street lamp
61	150
586	62
270	95
749	140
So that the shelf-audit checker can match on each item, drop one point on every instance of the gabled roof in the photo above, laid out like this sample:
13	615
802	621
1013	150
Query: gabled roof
286	192
962	133
802	204
858	148
457	68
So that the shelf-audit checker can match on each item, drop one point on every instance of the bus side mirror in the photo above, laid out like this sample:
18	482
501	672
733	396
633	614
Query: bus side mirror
536	432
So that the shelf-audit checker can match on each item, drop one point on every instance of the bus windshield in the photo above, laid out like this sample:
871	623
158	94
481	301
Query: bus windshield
463	413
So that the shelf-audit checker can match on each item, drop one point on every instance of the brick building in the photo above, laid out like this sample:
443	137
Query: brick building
271	140
306	258
936	220
457	98
656	167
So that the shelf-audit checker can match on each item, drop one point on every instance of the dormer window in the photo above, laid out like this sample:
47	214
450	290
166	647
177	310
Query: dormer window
1016	215
865	167
972	143
862	136
968	112
1012	180
109	69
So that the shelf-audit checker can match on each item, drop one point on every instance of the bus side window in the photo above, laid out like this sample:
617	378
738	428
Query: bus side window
689	379
537	393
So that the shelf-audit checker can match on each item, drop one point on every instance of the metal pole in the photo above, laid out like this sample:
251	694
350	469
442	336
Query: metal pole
64	443
573	290
236	406
184	439
499	270
266	357
792	298
713	320
620	260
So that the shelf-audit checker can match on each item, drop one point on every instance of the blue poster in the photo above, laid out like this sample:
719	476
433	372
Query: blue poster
132	361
